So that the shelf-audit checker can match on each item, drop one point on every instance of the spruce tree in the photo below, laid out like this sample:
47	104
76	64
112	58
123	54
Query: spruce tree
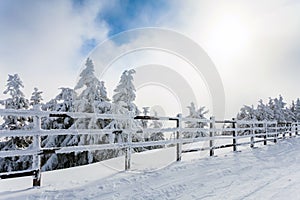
63	102
297	110
158	135
91	99
125	92
36	97
16	101
123	104
198	114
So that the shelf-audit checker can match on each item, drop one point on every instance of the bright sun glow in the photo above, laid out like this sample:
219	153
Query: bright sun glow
228	36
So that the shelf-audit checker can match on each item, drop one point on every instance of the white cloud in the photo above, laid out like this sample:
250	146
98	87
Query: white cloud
42	40
265	63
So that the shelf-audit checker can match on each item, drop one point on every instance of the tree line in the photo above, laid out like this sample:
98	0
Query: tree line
90	96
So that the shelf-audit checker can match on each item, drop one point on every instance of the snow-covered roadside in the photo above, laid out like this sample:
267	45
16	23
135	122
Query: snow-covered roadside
271	172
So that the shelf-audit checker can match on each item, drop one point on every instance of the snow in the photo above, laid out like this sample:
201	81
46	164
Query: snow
267	172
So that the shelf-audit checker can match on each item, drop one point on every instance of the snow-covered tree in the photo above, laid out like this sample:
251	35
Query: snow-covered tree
16	101
145	113
118	109
279	109
35	100
289	115
92	98
36	97
198	114
247	113
123	104
125	92
63	102
157	125
262	112
296	110
123	101
275	109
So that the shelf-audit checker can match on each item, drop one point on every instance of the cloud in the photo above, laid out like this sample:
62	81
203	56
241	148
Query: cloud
266	63
46	41
163	59
42	41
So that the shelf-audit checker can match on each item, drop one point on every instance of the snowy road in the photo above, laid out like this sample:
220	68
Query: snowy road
271	172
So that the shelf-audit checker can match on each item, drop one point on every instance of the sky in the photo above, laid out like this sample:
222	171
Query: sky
253	44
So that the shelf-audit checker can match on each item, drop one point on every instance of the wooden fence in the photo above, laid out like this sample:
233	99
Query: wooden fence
180	134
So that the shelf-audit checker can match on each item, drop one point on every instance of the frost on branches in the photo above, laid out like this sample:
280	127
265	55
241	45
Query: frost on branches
15	101
296	110
92	99
158	135
125	92
123	104
275	109
198	114
36	97
63	102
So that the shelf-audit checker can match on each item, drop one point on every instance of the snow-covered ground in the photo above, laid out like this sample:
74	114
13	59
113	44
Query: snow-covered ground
268	172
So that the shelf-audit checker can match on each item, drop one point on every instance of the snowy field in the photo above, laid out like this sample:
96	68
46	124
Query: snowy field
267	172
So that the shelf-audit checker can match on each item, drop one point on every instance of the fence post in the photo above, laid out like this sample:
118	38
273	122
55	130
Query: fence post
211	135
276	133
37	147
252	136
129	142
234	134
284	131
179	137
265	135
290	129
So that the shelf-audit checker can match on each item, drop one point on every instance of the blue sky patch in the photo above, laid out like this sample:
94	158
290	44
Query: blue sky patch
128	14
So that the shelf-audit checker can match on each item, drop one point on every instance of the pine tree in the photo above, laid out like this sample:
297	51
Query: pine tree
123	101
123	104
35	100
125	92
36	97
16	101
156	136
264	112
92	99
247	113
63	102
297	110
146	113
198	114
279	113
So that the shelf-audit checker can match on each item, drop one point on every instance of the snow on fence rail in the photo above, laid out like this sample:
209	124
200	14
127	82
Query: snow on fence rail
235	130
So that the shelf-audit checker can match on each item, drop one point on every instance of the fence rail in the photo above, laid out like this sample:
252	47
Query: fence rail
215	130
